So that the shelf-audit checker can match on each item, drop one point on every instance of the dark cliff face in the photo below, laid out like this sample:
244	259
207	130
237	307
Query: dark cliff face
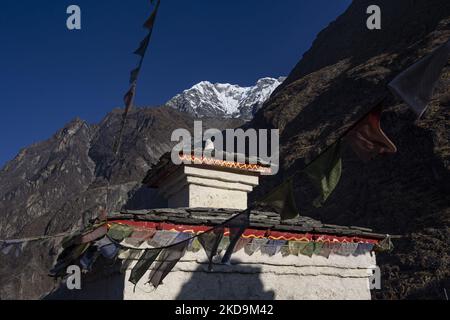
59	184
339	80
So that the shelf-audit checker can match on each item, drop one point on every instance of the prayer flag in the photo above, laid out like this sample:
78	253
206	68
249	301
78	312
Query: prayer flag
325	172
368	140
281	200
416	84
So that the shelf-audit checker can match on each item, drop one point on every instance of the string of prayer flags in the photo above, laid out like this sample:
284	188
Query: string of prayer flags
416	84
325	172
281	200
368	140
134	74
16	247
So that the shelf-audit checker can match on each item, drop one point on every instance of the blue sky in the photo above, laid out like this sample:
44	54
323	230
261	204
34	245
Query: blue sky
50	75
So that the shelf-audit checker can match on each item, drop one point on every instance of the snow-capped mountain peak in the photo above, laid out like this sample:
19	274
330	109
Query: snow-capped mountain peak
206	99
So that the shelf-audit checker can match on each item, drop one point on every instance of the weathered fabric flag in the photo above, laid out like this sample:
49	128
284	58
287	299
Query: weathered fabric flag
325	250
281	200
163	238
88	259
416	84
134	74
237	226
223	245
294	247
363	248
129	98
385	245
144	263
346	249
66	258
94	234
118	232
368	140
107	248
272	247
168	259
128	258
306	248
151	20
194	245
325	172
254	246
210	241
241	244
143	46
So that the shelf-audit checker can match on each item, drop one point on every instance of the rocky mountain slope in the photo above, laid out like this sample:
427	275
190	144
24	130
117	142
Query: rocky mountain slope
59	184
225	100
336	82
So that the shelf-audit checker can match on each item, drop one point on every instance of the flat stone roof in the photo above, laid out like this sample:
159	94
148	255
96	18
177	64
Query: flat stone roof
258	220
164	167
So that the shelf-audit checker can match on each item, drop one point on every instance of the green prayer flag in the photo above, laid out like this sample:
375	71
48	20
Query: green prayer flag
385	245
195	245
119	232
318	248
294	247
223	245
282	201
325	172
307	248
144	263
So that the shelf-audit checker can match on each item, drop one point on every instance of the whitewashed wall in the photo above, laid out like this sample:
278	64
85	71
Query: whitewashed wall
262	277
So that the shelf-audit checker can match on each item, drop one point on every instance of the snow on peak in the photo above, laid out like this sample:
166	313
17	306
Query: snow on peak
225	100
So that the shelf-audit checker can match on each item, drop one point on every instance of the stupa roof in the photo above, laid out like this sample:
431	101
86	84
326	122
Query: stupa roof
218	160
261	223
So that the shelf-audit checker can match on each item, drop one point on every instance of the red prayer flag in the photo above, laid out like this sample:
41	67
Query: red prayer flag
368	139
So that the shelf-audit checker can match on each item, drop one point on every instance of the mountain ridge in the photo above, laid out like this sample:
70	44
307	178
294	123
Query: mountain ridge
206	99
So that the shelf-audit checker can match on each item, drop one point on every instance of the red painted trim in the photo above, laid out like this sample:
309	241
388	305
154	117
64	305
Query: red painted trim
248	234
